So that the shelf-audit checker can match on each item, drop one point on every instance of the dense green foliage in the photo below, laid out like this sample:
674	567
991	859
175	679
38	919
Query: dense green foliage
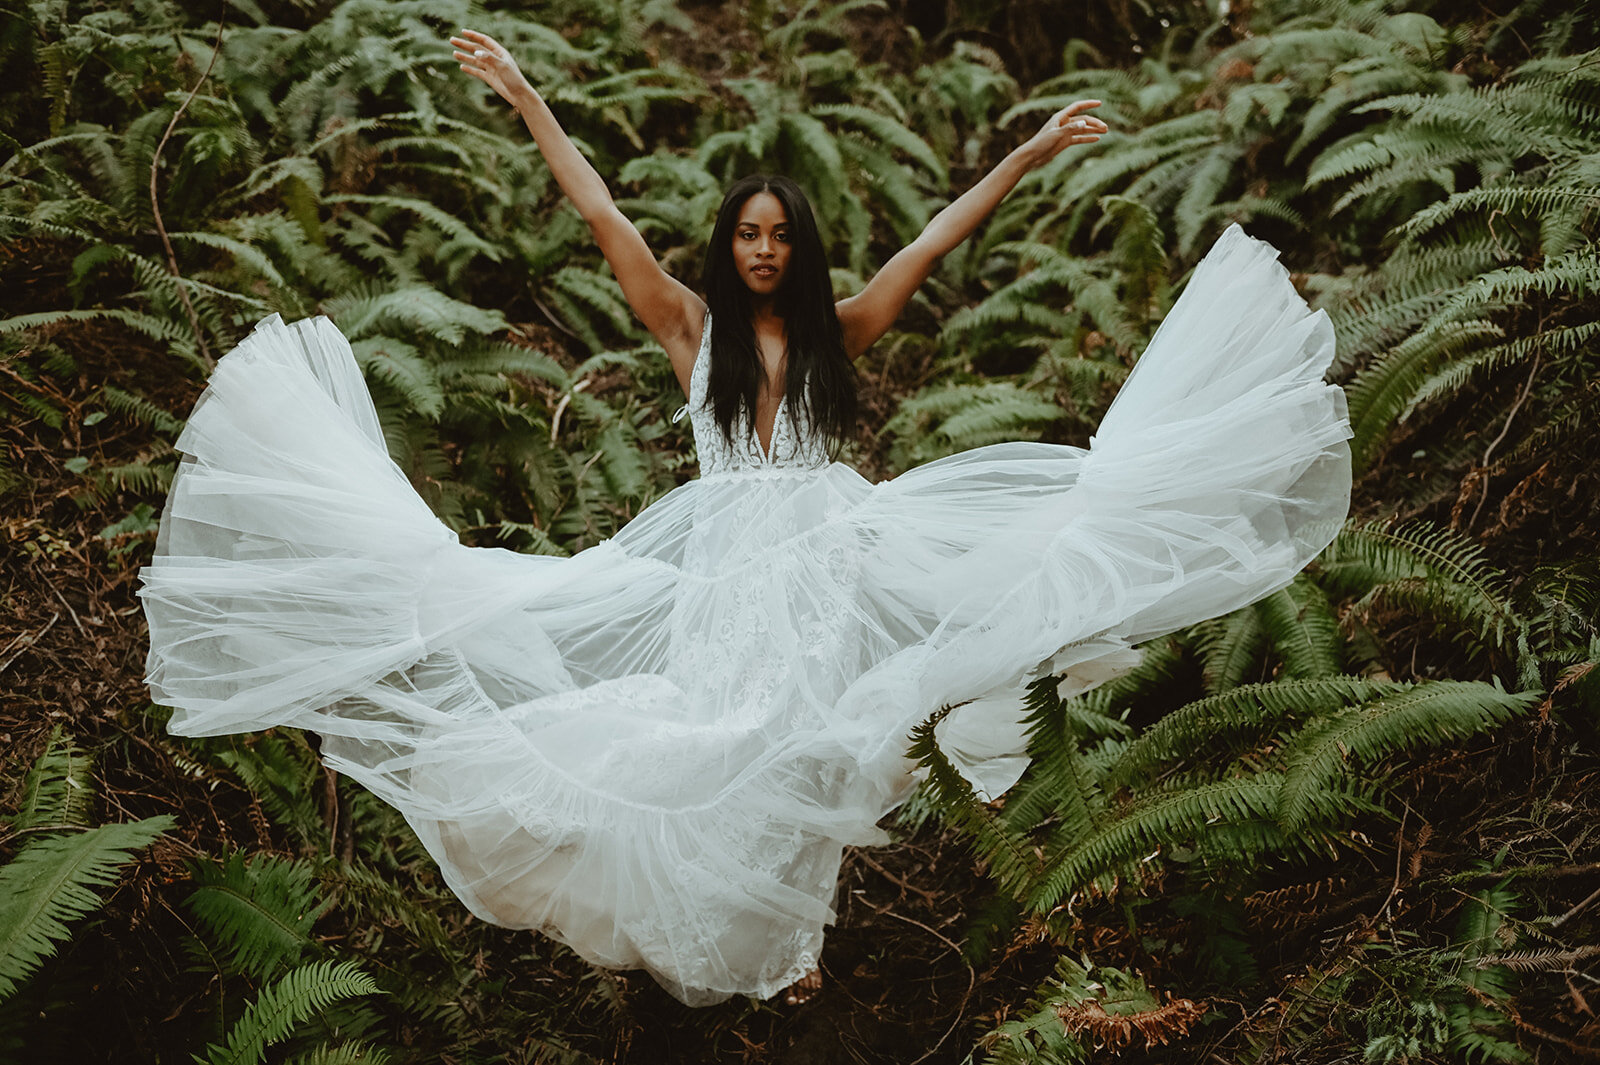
1431	174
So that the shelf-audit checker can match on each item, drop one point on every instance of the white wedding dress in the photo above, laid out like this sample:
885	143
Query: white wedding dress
655	751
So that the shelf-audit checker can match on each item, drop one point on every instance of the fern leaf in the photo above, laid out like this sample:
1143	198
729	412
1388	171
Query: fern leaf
401	367
1122	843
1300	622
1060	781
422	308
1229	646
1195	727
344	1054
1010	856
890	132
142	411
261	911
277	1011
1437	572
51	883
1433	712
59	788
245	253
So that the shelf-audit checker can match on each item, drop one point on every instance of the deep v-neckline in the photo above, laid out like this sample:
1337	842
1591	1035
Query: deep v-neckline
772	437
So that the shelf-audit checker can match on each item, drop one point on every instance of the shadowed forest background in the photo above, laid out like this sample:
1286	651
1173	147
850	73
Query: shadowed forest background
1354	822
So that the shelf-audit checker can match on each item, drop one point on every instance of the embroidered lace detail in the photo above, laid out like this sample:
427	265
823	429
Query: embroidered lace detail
795	442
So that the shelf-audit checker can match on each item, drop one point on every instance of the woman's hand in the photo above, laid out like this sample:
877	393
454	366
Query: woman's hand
487	60
868	314
1068	126
673	314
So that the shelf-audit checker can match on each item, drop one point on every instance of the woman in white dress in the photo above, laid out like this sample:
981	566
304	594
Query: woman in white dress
656	750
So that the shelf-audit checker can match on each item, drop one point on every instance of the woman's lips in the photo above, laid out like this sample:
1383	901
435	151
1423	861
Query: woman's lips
764	271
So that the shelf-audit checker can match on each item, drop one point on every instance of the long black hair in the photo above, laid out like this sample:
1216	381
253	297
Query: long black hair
819	375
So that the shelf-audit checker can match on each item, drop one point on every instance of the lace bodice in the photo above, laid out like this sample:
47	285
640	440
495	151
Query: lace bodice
795	443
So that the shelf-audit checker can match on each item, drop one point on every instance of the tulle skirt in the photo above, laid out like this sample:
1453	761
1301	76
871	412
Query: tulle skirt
654	751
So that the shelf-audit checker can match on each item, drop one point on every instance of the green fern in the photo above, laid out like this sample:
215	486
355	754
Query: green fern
1122	844
260	910
282	773
1301	626
296	997
142	411
1433	712
1011	859
1062	782
1230	648
1434	572
58	791
1244	711
1039	1037
343	1054
958	417
52	883
394	364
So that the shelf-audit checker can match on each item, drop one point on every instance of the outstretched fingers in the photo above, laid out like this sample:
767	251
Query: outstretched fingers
1074	126
486	59
1067	127
474	52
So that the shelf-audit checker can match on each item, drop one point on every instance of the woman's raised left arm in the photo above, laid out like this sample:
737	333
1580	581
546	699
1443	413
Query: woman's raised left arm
868	314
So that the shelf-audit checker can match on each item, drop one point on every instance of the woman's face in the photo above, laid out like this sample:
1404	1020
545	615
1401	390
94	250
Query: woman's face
761	243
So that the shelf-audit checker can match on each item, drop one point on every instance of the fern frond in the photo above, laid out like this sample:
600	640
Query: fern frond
1438	572
1302	627
1556	343
888	131
299	995
344	1054
1060	782
955	418
400	366
247	254
1150	824
1011	858
1534	961
386	901
150	325
1432	712
1386	390
51	883
59	788
260	911
421	308
1229	646
141	411
1194	728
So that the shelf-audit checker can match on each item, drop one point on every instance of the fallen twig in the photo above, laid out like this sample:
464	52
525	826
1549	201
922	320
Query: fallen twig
31	643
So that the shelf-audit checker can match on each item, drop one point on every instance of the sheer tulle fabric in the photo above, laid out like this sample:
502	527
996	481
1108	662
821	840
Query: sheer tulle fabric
654	751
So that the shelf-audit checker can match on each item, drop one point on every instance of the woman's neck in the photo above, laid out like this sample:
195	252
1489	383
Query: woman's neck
772	340
764	309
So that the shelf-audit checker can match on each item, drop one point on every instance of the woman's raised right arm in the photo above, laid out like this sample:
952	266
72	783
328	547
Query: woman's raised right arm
668	308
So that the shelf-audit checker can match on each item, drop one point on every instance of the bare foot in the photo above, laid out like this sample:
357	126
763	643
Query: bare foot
804	989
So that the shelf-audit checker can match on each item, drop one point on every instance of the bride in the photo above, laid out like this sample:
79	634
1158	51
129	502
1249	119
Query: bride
655	751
